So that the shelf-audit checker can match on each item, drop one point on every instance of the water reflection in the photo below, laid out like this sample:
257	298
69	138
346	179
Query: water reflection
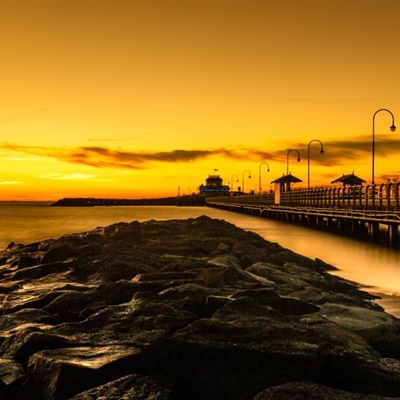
374	266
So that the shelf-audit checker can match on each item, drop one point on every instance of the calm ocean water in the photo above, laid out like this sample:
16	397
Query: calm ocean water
375	266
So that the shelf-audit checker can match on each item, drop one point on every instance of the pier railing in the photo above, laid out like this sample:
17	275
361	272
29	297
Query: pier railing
373	197
371	211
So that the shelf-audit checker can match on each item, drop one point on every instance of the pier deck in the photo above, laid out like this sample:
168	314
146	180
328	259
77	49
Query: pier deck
367	212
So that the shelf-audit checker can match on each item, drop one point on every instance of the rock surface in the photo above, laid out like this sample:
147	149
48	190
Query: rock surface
186	309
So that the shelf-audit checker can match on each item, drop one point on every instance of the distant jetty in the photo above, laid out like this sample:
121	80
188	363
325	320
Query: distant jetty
193	200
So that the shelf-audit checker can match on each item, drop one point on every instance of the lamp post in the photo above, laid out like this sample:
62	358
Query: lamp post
259	175
237	179
322	151
243	178
287	159
392	128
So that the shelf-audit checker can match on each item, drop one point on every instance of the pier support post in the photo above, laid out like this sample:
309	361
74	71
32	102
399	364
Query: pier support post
374	231
394	235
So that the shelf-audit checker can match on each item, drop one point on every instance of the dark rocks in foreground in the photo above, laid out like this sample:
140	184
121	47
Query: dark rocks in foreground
186	309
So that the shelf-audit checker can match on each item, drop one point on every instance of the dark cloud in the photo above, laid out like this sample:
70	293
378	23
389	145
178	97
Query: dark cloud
345	151
178	155
98	156
114	139
336	153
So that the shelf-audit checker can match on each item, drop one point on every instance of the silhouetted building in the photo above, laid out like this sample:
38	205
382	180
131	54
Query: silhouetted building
214	187
349	179
285	181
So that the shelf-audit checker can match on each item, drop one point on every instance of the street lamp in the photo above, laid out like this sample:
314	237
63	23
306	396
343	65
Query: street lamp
287	159
392	128
322	151
237	179
259	175
243	178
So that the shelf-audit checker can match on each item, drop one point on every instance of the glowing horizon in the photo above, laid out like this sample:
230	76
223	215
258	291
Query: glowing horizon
138	99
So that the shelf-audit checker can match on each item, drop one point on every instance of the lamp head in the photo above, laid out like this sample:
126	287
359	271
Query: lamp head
249	176
322	151
393	128
298	160
268	170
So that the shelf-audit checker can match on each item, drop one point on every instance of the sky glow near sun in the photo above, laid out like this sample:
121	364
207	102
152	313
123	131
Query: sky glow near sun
132	99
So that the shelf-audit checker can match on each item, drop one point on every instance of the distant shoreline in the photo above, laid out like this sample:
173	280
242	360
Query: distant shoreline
194	200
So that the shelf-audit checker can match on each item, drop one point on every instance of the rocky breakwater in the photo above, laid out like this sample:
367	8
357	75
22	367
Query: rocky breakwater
186	309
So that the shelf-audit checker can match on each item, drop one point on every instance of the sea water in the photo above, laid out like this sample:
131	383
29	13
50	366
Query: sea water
375	266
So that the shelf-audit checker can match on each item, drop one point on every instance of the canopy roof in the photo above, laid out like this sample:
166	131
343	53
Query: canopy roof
287	179
349	179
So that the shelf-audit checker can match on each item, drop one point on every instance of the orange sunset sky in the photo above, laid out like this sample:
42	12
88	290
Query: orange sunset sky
132	99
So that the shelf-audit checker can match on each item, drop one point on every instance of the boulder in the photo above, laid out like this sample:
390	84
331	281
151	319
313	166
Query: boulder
62	373
130	387
186	309
12	376
311	391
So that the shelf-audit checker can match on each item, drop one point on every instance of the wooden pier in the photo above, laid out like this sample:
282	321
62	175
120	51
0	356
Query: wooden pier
365	212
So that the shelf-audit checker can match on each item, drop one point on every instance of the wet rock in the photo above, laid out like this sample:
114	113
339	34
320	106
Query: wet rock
226	261
181	309
311	391
12	375
30	340
24	261
367	323
8	286
20	320
136	387
58	253
60	374
279	275
126	232
285	305
71	304
220	276
205	355
41	270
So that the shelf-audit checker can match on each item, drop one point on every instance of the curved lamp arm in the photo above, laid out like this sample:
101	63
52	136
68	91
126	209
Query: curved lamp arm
392	128
259	175
287	159
308	154
243	178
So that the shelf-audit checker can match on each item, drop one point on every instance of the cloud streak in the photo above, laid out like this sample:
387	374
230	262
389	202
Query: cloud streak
70	177
340	152
10	183
351	150
102	157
